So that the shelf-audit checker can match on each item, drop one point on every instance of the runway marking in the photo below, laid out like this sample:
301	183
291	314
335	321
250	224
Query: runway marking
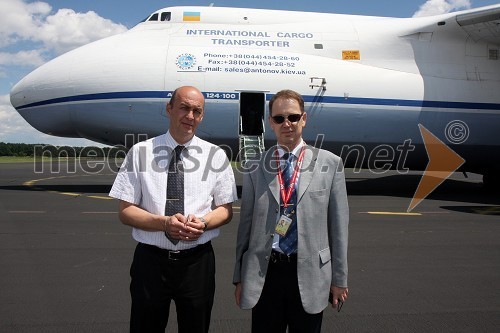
32	184
100	197
394	213
69	193
90	262
99	212
27	211
487	210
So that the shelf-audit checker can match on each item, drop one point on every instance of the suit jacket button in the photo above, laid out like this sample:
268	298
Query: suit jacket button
267	258
277	210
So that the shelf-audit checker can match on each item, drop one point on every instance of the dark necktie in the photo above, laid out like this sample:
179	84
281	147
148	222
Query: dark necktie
288	243
175	187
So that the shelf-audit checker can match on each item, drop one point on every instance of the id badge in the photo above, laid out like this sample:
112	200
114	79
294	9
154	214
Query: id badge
283	225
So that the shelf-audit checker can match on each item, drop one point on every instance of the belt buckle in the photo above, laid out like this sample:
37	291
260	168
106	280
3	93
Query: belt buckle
285	257
173	252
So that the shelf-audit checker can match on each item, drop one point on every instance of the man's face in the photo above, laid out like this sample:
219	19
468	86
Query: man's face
288	133
185	114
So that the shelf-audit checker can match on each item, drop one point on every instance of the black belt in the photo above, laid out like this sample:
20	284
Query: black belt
178	254
281	257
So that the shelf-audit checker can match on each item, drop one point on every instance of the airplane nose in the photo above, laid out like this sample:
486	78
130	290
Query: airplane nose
80	93
32	96
17	95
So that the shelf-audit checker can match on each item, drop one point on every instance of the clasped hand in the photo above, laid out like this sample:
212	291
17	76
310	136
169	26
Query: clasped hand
188	228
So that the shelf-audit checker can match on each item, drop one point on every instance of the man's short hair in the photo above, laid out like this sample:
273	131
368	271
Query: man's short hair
286	94
172	99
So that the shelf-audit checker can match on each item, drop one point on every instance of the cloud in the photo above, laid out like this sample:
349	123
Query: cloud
11	122
66	30
60	32
31	33
20	20
29	58
436	7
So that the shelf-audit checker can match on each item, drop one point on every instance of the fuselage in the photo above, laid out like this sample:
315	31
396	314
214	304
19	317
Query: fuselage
368	82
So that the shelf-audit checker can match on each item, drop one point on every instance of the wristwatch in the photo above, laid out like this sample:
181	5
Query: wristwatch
205	223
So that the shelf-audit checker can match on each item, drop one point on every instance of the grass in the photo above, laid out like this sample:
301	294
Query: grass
31	159
15	159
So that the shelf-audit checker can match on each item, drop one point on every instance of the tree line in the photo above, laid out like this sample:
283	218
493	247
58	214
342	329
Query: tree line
32	150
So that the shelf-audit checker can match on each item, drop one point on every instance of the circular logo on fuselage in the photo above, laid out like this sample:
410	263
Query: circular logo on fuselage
186	61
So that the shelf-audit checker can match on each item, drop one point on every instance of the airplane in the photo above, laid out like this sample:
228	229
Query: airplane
369	83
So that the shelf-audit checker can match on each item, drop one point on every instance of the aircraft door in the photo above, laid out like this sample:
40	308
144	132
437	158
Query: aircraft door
252	111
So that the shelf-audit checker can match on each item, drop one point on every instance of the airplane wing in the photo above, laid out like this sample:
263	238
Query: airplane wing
482	24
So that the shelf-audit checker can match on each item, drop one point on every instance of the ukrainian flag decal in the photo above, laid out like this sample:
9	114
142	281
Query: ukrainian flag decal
191	16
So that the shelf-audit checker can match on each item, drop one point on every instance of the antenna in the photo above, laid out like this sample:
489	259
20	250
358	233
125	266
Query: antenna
211	4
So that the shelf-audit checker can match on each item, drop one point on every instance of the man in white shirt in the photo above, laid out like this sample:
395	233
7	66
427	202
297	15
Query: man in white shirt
174	259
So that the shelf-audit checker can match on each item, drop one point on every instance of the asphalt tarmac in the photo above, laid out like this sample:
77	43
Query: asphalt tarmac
65	257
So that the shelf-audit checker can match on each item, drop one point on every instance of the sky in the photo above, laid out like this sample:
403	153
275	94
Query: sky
34	32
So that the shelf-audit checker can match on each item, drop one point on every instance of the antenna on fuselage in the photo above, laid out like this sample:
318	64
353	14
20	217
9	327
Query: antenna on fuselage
211	4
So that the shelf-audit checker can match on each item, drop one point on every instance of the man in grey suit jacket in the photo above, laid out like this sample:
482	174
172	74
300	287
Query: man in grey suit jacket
289	285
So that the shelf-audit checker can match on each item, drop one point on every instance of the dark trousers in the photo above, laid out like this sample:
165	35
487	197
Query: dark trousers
157	280
280	306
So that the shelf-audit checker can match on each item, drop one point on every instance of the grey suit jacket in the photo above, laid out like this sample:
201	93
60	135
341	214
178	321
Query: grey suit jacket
322	222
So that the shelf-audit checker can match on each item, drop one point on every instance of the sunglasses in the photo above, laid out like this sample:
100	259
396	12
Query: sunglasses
293	118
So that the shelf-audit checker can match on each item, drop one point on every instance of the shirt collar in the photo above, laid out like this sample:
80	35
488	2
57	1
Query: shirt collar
171	143
295	151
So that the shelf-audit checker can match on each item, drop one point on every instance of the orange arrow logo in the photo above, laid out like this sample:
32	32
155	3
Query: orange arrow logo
443	161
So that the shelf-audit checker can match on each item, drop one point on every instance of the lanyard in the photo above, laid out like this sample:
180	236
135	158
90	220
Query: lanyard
286	195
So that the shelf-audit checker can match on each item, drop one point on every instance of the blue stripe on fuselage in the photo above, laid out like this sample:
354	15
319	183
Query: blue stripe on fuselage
235	96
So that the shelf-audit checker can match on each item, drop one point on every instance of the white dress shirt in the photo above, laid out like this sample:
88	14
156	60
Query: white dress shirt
142	180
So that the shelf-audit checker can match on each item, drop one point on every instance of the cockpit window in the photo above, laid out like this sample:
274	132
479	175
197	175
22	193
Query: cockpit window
154	17
165	16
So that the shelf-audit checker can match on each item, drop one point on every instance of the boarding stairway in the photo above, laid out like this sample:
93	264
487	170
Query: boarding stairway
251	126
251	146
